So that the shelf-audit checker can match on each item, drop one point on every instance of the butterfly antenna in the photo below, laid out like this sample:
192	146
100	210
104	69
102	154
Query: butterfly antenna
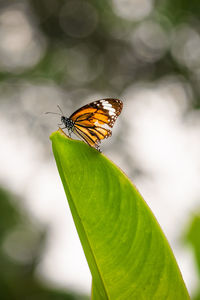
50	112
54	113
60	109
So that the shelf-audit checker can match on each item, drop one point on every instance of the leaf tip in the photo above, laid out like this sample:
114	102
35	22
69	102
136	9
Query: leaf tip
58	132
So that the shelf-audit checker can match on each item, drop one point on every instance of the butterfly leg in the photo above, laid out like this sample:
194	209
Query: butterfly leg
70	132
98	148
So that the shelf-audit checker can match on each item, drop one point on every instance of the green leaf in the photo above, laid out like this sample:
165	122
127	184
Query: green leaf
192	237
128	255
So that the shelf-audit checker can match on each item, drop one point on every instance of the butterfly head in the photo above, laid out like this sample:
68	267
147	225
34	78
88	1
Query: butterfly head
69	124
63	119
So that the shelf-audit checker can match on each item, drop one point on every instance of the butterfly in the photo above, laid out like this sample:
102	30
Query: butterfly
93	121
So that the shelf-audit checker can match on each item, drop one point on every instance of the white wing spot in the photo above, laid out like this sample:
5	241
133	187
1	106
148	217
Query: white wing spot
108	106
111	113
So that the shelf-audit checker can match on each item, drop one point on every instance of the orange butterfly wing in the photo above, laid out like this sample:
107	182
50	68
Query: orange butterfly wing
92	121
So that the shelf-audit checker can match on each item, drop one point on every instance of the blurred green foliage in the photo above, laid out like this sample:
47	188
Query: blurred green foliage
88	35
21	244
192	237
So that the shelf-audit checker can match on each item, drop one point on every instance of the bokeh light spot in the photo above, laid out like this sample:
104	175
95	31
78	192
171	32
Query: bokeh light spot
22	46
186	46
84	64
150	41
20	244
78	19
133	10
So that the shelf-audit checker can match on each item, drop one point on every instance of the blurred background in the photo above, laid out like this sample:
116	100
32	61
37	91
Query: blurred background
71	52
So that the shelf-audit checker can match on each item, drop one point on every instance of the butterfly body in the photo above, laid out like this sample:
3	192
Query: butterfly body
69	124
93	121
